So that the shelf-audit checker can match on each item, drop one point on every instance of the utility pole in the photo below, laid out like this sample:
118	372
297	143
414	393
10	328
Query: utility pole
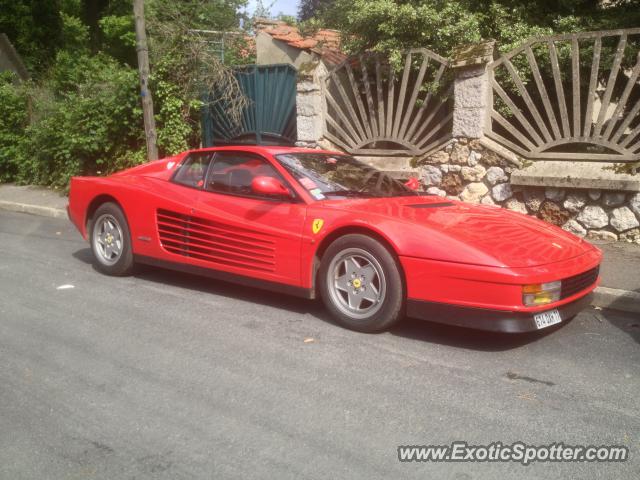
143	66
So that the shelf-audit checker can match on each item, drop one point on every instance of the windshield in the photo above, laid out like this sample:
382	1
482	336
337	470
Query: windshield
326	175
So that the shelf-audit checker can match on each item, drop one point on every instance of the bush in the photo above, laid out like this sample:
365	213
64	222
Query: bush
176	131
85	120
13	122
82	113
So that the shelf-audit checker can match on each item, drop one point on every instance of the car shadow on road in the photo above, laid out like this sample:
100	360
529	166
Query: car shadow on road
420	330
467	338
629	323
218	287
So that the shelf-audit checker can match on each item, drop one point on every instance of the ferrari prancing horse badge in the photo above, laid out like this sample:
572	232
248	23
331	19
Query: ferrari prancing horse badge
317	225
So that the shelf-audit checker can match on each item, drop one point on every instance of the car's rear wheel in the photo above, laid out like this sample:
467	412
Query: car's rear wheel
111	241
361	284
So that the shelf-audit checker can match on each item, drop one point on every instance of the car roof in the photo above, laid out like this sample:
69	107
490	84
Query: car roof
271	150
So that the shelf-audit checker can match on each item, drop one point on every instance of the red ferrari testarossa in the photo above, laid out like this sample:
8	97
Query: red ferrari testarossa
317	223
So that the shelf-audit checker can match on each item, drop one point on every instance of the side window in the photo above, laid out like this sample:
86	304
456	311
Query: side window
193	170
233	172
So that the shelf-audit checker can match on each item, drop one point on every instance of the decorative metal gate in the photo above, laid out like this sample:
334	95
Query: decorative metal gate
371	109
569	97
270	118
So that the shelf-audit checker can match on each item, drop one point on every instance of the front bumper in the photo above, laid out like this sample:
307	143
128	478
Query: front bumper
491	320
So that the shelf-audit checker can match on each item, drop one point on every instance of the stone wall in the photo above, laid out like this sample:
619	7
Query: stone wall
310	104
469	170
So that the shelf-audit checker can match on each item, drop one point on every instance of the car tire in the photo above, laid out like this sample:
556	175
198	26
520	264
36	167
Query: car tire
361	284
111	241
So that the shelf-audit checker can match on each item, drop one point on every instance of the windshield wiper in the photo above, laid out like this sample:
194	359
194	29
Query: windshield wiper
348	193
357	193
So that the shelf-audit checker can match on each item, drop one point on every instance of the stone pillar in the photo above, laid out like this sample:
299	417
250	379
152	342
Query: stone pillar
310	104
471	89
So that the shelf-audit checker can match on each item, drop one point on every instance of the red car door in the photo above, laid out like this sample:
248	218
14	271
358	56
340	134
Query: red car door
248	233
160	207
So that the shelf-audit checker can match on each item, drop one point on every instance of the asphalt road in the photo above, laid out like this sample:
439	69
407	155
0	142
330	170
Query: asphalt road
622	268
167	376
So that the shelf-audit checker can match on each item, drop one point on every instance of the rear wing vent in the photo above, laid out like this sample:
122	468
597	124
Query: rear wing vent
210	241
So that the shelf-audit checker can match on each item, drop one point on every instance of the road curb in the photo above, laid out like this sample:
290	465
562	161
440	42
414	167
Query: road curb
33	209
616	299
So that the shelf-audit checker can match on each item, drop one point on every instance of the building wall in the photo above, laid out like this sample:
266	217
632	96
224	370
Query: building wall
270	51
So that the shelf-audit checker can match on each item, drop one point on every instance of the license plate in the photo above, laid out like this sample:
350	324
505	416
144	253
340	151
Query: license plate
547	319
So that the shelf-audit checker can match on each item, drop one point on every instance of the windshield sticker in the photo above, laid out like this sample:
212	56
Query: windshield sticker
308	183
317	194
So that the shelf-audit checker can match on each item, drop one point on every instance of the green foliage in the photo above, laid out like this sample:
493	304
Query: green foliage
175	132
34	28
308	9
71	7
239	50
119	37
187	64
82	112
13	121
388	25
118	29
75	34
263	8
84	119
288	19
201	14
89	123
393	25
311	26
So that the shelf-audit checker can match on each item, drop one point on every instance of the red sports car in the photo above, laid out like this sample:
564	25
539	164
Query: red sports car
316	223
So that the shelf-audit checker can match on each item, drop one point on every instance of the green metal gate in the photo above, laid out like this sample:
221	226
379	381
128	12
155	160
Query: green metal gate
270	118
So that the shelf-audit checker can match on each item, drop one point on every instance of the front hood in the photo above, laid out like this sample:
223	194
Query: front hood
441	229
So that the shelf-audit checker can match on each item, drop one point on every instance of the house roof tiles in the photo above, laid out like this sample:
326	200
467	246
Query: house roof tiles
324	42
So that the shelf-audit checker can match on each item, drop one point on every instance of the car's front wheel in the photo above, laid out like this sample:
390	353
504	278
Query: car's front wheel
111	241
361	284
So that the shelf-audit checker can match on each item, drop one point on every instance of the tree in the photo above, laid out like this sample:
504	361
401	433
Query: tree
263	10
81	113
145	93
92	11
187	65
308	9
442	24
34	28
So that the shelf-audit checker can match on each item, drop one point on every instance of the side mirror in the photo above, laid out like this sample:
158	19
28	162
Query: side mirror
269	186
